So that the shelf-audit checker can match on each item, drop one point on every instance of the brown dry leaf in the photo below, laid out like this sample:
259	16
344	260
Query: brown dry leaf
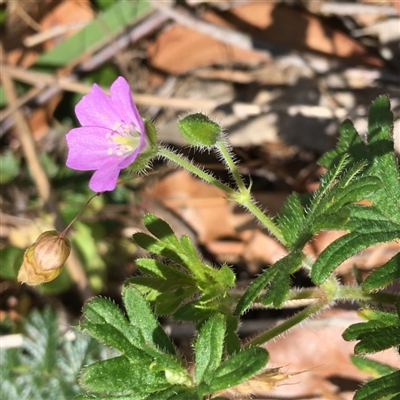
180	49
260	383
295	29
317	347
201	205
65	14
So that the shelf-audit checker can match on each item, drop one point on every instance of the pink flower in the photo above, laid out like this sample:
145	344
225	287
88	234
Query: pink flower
111	137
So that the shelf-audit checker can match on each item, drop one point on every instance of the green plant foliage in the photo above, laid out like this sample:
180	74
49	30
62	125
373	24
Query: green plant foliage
368	225
9	166
148	366
372	367
238	368
113	20
386	387
47	366
380	332
11	259
278	279
384	275
209	348
169	285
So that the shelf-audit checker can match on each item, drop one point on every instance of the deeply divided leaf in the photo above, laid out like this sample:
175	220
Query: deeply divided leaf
388	385
208	348
140	315
238	368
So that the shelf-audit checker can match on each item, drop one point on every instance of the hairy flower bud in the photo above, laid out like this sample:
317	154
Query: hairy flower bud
44	259
199	130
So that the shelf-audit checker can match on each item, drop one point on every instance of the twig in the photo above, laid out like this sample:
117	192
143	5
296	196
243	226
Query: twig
69	84
356	8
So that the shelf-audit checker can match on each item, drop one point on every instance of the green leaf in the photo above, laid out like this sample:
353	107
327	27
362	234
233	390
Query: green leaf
379	154
113	21
132	397
232	342
384	275
167	303
140	315
208	348
11	260
371	367
291	218
384	166
9	166
380	332
152	245
120	376
175	393
369	233
280	284
193	311
254	290
239	368
105	321
167	272
161	230
377	389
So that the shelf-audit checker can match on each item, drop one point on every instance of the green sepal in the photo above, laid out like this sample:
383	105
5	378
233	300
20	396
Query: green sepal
238	368
199	130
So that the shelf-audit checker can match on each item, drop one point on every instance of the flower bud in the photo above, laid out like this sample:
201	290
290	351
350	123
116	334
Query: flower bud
199	130
44	259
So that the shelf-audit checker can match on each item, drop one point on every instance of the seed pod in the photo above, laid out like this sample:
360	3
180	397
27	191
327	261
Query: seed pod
44	259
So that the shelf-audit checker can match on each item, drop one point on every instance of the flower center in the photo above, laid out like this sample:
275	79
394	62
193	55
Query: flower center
123	140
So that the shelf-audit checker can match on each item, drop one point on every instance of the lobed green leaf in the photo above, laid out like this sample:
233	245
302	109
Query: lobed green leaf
121	376
141	316
384	275
238	368
348	245
208	348
371	367
161	230
388	385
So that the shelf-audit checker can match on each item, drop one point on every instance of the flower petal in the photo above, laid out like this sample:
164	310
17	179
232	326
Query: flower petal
104	179
88	149
122	100
97	109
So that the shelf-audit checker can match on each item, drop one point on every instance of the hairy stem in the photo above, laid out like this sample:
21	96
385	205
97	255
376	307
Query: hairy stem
286	325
